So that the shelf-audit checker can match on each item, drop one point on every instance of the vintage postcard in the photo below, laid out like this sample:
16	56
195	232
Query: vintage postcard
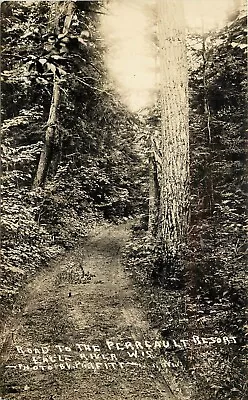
123	188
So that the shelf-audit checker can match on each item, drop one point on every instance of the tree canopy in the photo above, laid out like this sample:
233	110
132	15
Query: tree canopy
105	163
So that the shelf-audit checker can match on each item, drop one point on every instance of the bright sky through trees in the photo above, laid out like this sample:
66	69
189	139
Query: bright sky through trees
131	55
210	13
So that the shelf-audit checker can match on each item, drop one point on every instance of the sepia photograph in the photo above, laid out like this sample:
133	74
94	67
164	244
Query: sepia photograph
123	200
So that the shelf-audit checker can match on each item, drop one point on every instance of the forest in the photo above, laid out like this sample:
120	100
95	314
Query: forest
159	192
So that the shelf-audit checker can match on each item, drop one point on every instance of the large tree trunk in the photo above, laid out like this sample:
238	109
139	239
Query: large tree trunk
174	177
153	196
209	189
51	136
155	163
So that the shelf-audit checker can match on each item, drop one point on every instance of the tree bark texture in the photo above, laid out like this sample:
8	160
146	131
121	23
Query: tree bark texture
154	196
155	162
209	195
174	176
51	136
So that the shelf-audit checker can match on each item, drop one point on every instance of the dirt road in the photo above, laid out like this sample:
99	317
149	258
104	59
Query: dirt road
79	332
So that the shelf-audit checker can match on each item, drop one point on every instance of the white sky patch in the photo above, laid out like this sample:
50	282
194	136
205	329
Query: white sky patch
208	14
131	55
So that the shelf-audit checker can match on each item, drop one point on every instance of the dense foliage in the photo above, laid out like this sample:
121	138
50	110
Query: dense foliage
97	172
92	173
209	297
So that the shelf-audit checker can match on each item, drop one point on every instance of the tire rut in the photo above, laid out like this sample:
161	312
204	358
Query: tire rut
84	300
